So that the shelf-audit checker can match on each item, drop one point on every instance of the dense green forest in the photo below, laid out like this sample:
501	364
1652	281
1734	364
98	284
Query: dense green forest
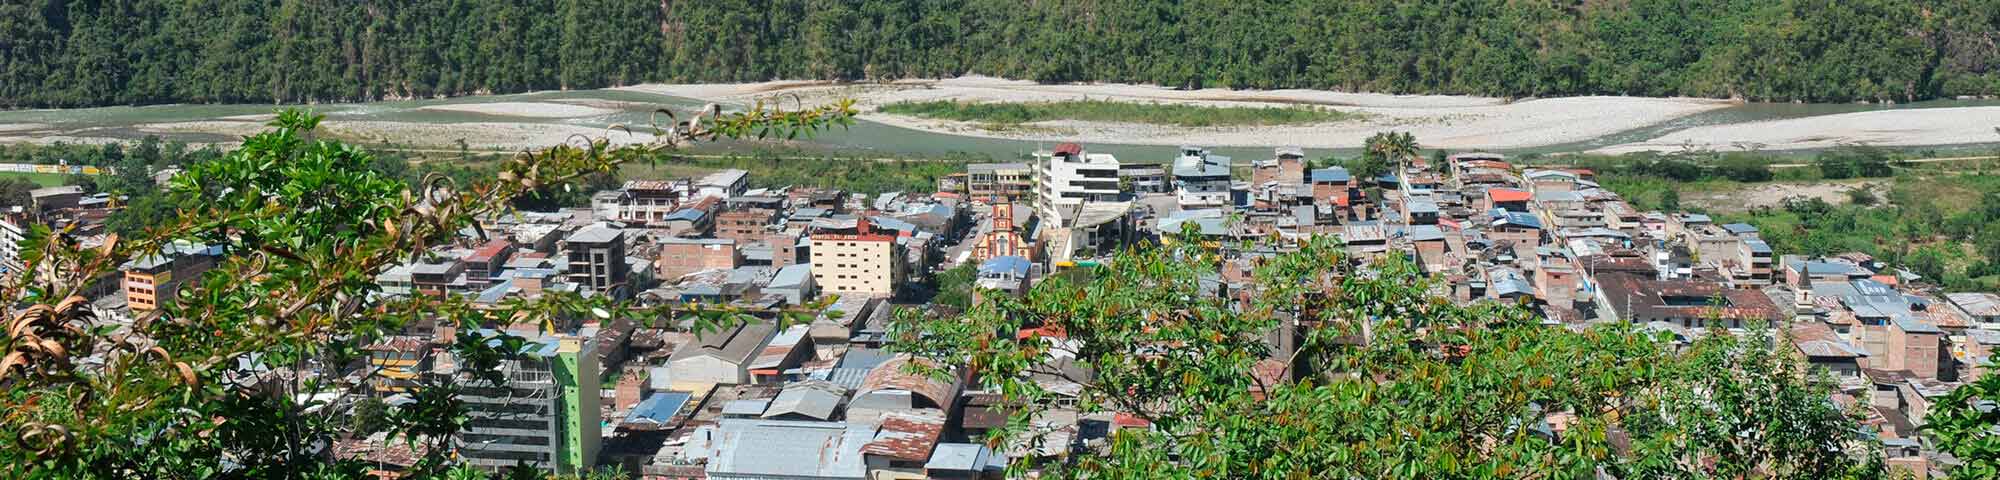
98	52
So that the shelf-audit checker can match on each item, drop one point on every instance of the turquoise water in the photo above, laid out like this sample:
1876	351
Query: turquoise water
636	109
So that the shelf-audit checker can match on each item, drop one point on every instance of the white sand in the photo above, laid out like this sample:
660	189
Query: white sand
1444	121
524	109
1903	127
22	127
478	136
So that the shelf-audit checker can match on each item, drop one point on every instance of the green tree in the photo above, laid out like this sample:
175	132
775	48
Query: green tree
1670	200
214	385
1966	424
1380	380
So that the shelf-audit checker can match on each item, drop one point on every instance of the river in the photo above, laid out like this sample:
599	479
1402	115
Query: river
863	138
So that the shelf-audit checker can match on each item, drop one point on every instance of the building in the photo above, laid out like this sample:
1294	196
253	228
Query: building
1982	310
682	256
13	229
857	259
723	184
1202	179
483	266
748	219
1688	304
720	356
597	259
1011	181
547	415
794	283
644	201
153	280
1002	235
50	199
1144	177
1067	177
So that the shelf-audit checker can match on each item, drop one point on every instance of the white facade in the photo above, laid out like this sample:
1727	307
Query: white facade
13	229
1069	177
1201	180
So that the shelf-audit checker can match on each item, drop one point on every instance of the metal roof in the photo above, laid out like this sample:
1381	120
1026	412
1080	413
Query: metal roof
749	407
792	276
810	398
596	233
792	449
1014	266
1739	228
659	408
961	457
1331	175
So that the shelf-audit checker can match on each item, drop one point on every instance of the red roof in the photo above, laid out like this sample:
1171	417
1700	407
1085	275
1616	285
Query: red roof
1069	149
486	252
1508	195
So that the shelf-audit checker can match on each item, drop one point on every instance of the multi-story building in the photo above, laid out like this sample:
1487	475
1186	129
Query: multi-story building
645	201
154	279
1067	177
485	262
1144	177
1753	263
1202	179
748	219
1011	181
857	260
597	259
723	184
548	413
13	229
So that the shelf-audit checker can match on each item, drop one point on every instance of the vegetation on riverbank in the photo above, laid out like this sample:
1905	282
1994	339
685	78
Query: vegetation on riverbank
1112	111
159	51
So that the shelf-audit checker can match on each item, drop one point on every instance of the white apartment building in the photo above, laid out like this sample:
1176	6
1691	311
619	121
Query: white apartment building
1067	178
1201	179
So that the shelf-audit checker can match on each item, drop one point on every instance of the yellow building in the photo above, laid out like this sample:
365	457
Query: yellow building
857	261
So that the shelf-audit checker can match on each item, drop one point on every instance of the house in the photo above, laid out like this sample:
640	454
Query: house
1688	304
1010	181
759	449
1202	179
1508	199
721	356
785	351
1981	309
681	256
1008	275
794	283
891	387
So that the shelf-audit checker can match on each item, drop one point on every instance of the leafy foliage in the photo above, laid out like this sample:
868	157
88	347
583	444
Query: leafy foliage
1966	424
1384	380
223	381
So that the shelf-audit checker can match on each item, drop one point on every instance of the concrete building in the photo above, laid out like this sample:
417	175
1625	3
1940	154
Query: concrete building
13	229
1067	177
1145	177
1982	310
597	259
723	184
483	266
748	219
857	260
547	415
1011	181
644	201
1202	179
153	280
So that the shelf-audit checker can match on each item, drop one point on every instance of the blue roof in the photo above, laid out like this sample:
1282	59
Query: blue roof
1421	206
1517	218
687	214
892	224
1757	246
1007	265
1331	175
1739	228
659	408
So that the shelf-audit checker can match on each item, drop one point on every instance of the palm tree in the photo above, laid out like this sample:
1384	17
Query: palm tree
1396	147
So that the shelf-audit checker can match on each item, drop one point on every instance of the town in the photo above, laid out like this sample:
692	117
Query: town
831	398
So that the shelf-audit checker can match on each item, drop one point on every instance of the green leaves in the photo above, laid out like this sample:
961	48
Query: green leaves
1383	380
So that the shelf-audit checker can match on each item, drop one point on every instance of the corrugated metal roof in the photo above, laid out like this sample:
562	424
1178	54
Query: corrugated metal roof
780	448
659	408
809	398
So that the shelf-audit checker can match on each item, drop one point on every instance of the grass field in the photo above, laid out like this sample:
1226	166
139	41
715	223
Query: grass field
43	179
1108	111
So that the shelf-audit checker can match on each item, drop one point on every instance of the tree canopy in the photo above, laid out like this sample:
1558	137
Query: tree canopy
73	53
1383	380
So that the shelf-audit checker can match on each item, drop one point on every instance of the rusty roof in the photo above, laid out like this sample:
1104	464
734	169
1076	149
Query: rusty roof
907	435
894	374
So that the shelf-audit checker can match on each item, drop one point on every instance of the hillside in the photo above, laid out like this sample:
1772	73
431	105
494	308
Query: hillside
80	53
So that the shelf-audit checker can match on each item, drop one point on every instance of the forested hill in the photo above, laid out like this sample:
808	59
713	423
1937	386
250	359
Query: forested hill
96	52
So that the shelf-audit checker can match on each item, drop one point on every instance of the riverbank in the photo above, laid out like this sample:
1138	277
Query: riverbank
1441	121
1887	128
